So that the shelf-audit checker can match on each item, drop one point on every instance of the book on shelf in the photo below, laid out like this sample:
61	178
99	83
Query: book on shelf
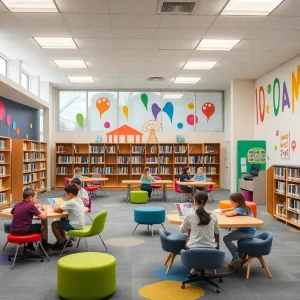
123	170
190	150
27	178
294	190
2	198
63	159
164	170
294	205
97	159
165	149
137	149
152	159
109	170
279	173
110	149
164	159
196	159
60	149
2	158
210	170
2	144
293	174
177	170
1	186
295	217
62	170
280	187
124	159
97	170
2	170
180	159
208	149
180	149
136	170
281	210
82	159
137	159
209	159
153	171
75	149
97	149
153	149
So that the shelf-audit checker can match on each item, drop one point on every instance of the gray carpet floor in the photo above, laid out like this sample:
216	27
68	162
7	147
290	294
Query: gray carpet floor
136	265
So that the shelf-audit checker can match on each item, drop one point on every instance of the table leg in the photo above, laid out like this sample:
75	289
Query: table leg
128	192
45	222
165	192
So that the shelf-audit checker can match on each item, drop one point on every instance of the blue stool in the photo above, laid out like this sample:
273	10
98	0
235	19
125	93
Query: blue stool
149	216
173	243
257	247
6	230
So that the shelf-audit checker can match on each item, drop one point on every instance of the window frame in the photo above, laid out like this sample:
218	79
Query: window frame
28	76
2	58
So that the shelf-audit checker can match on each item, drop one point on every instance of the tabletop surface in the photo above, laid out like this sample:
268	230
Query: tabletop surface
155	182
195	183
88	179
224	222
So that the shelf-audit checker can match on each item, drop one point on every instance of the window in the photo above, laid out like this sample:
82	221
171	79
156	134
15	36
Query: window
3	66
72	110
41	125
25	80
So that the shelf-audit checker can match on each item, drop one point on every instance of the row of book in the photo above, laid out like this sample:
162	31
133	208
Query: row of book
164	160
29	177
30	156
210	159
33	186
97	159
123	170
137	149
180	149
42	156
42	166
295	217
32	146
294	174
294	205
177	170
136	170
43	174
180	159
65	159
2	158
2	170
2	144
165	149
30	167
152	159
124	159
280	187
62	170
294	190
279	173
2	198
153	149
210	170
196	159
164	170
137	160
84	170
96	149
82	159
208	149
281	210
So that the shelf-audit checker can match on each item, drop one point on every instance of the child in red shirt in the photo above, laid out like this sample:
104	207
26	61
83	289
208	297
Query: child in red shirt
23	214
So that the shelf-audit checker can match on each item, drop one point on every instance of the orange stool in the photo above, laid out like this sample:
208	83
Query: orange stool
224	204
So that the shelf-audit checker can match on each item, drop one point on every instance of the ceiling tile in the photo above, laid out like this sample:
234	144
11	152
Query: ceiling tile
135	20
166	67
170	55
294	36
134	43
209	7
261	45
288	46
288	8
186	21
89	32
132	6
40	19
261	34
7	31
174	44
39	31
179	33
234	34
207	55
274	22
98	54
131	80
8	19
94	43
25	43
87	19
3	8
240	22
134	32
241	56
133	60
83	6
133	53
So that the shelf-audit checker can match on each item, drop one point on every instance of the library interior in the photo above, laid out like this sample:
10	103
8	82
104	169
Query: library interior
148	149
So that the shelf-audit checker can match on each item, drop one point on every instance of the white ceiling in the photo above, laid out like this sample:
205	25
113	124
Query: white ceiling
125	41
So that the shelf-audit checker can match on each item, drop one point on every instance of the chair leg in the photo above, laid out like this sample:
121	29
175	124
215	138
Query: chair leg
168	258
40	244
163	226
135	228
87	246
15	257
211	197
90	217
5	246
152	230
264	265
249	266
103	243
65	245
78	242
170	262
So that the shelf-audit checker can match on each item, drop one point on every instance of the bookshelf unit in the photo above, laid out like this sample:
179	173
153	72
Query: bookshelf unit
5	169
29	167
286	194
121	161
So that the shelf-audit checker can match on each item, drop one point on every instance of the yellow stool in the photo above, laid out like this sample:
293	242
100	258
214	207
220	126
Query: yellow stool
224	204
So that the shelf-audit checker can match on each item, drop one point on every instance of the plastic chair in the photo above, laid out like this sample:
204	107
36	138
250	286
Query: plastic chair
172	243
203	259
156	187
88	231
257	247
98	184
180	192
89	206
67	181
210	188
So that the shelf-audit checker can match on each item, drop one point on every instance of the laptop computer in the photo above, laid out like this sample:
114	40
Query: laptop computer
253	172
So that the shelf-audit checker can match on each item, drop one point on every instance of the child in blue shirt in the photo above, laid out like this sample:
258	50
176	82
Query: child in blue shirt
239	208
146	180
200	176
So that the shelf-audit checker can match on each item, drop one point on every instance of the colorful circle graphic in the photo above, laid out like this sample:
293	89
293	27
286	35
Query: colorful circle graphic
107	125
179	125
191	105
192	120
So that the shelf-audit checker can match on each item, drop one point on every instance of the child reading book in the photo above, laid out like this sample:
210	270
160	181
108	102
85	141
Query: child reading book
82	193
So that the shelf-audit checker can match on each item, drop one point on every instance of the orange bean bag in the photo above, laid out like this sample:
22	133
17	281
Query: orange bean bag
224	204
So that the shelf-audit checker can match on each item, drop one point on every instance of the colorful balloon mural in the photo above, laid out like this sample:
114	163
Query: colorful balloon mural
192	120
144	99
179	125
125	112
208	109
18	131
191	106
293	145
8	120
155	110
103	105
106	125
169	110
2	111
80	120
14	125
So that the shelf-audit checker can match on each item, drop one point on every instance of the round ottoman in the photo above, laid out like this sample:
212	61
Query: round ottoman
138	197
224	204
149	216
88	276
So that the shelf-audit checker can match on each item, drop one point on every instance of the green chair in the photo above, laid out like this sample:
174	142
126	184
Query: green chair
86	275
88	231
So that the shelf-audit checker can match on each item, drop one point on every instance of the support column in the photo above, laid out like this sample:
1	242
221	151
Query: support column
14	70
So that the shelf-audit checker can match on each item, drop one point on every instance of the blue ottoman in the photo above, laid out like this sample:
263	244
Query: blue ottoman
7	224
149	216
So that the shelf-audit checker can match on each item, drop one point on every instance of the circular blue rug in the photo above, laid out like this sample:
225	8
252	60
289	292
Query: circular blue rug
176	273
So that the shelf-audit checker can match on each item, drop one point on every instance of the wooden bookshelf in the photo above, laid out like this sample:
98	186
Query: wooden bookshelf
286	194
29	167
5	175
123	161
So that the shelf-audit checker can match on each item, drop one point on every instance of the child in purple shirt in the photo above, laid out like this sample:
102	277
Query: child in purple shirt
23	214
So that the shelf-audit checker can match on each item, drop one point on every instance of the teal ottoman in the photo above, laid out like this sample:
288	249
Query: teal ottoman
138	197
149	216
87	275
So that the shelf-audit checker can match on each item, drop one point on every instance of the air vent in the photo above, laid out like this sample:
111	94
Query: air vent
155	79
174	7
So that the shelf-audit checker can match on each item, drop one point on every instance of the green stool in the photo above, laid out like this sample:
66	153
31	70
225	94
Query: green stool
138	197
87	275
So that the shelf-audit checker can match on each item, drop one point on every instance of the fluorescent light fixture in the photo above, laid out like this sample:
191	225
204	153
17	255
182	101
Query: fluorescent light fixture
30	6
222	45
172	96
250	7
198	65
70	64
56	43
187	80
81	79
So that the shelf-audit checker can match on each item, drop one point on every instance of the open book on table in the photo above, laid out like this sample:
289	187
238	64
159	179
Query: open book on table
183	209
56	201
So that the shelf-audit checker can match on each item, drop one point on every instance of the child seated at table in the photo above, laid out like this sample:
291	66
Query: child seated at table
200	176
23	213
185	176
82	193
75	219
239	208
146	180
77	173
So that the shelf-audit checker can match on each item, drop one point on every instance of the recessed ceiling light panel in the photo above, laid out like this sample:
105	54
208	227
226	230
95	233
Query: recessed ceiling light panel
56	43
199	65
81	79
187	80
70	64
250	7
34	6
215	44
